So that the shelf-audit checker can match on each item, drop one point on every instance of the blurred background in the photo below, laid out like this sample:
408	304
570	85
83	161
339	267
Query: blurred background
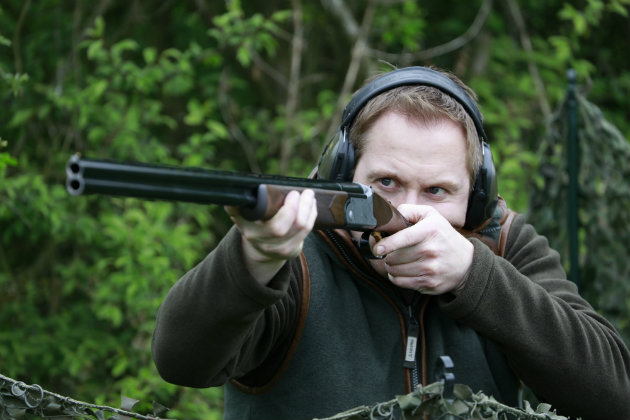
259	87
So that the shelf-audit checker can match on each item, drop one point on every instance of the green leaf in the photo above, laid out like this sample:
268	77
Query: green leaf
125	45
243	56
5	41
149	54
218	129
20	117
98	30
95	50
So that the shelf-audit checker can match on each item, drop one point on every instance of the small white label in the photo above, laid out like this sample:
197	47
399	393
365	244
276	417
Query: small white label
410	355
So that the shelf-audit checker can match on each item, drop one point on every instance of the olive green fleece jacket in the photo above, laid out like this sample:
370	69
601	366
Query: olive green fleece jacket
323	336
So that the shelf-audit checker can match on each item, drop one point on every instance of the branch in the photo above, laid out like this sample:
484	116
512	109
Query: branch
526	43
348	23
16	37
452	45
297	45
358	54
268	69
223	98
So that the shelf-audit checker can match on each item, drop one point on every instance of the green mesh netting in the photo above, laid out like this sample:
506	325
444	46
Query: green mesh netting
603	207
430	402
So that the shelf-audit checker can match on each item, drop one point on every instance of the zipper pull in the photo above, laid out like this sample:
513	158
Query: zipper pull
413	331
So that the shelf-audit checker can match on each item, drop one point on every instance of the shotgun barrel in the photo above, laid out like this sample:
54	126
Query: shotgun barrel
258	197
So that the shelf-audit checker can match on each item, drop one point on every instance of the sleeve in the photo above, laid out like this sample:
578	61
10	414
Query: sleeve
218	323
567	353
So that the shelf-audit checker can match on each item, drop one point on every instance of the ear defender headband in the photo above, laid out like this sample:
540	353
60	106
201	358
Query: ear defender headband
337	161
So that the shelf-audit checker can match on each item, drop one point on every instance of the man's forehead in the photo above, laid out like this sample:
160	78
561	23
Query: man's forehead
429	175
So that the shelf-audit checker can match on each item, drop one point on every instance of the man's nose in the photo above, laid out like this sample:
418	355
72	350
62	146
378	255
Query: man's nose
412	197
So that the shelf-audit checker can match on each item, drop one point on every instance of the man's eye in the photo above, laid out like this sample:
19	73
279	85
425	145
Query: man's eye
386	182
436	190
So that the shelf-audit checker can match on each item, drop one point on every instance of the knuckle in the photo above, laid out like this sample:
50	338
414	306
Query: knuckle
301	224
248	235
430	283
290	250
430	272
277	230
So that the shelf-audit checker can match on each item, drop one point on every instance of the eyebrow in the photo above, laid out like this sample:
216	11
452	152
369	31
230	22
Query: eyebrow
376	174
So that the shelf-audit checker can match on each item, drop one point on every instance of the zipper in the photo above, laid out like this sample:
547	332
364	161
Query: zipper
411	347
413	326
343	252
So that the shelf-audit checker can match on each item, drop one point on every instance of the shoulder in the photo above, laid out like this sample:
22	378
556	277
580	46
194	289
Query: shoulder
530	252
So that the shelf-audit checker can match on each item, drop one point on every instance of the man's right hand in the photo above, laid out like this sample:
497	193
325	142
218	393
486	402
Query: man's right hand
268	244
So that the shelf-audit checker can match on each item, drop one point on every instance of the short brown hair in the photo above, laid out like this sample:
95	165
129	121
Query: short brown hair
421	103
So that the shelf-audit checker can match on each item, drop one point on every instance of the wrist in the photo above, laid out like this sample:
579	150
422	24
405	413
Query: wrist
467	264
260	266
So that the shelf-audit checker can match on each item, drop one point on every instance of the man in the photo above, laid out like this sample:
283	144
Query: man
298	324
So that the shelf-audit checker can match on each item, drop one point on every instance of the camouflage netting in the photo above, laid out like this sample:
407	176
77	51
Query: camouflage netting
603	207
21	401
430	402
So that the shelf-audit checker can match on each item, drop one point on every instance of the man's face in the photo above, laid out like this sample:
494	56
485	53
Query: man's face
407	162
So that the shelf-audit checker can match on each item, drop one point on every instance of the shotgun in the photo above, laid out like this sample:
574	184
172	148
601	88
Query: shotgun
344	205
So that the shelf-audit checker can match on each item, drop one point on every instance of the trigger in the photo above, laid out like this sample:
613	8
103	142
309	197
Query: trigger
364	245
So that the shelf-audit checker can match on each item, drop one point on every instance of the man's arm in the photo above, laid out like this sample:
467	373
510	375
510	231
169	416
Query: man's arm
228	313
217	322
556	343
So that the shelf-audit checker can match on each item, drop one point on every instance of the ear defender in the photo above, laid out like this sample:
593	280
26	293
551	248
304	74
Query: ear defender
337	161
484	194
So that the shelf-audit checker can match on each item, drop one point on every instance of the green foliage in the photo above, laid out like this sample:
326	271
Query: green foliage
408	30
5	159
240	85
514	104
248	35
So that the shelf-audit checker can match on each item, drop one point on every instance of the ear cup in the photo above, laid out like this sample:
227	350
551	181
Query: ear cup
338	159
484	194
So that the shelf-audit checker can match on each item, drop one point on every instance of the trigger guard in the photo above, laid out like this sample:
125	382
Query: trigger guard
364	246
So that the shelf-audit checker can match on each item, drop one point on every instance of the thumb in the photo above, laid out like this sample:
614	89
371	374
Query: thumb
415	212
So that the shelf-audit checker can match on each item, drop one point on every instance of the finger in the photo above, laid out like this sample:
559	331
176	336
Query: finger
283	234
415	268
413	254
277	225
307	211
261	235
292	244
417	233
400	243
295	217
247	228
421	284
286	215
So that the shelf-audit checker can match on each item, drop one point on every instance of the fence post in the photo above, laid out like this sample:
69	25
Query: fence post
572	167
